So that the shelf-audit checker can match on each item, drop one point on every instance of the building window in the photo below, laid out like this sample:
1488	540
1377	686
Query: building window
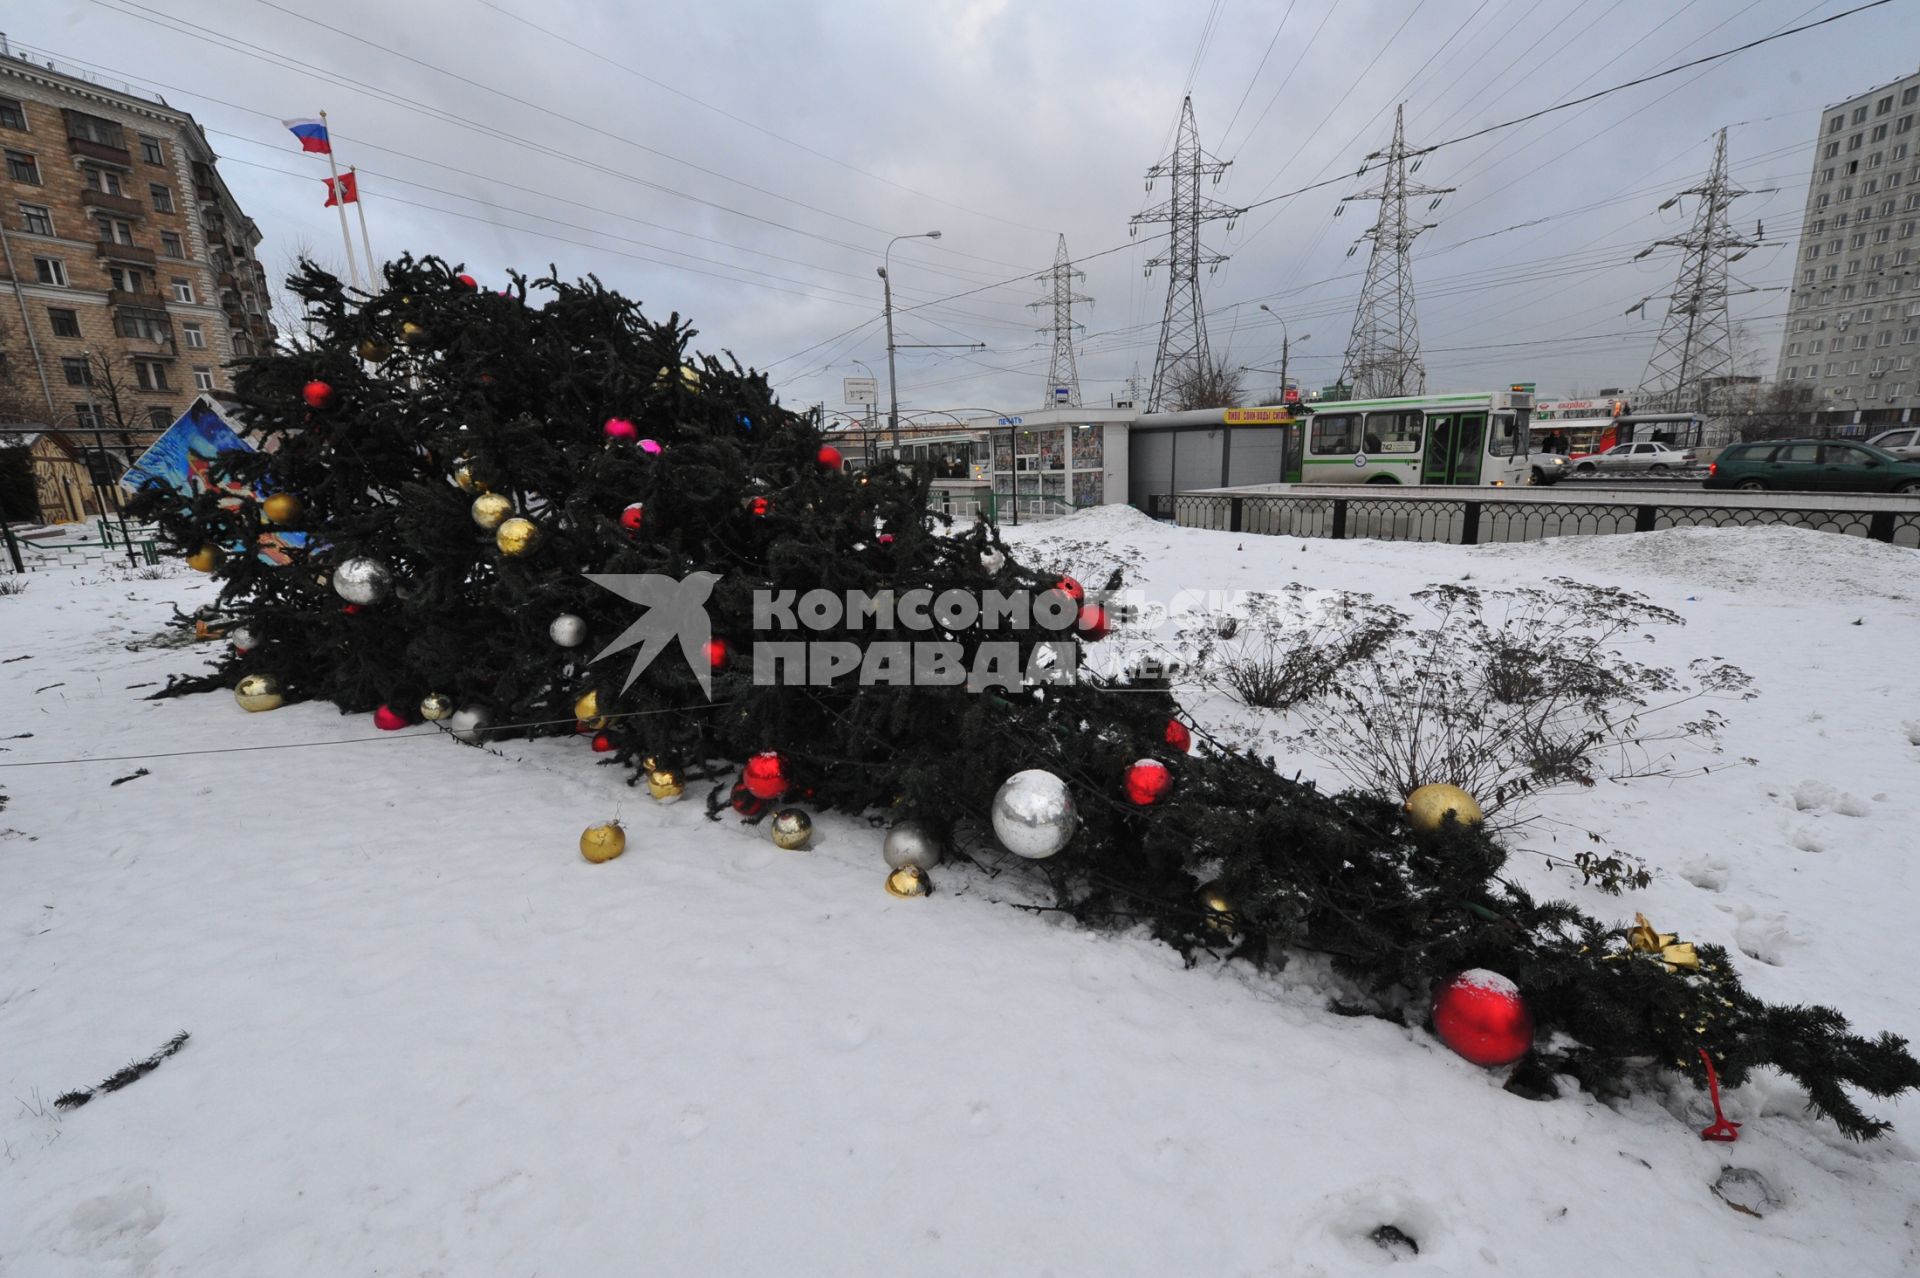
1837	123
203	379
102	180
242	344
1859	240
1857	141
1832	149
183	290
1859	114
12	114
1806	277
160	418
1884	105
148	325
1817	345
65	323
86	416
1813	251
1910	96
150	150
78	370
1901	125
1885	339
151	374
1879	133
91	128
22	167
171	245
126	279
1910	336
36	219
114	231
1793	348
50	270
162	198
196	336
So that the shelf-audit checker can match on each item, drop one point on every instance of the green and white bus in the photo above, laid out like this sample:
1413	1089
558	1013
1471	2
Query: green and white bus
1477	437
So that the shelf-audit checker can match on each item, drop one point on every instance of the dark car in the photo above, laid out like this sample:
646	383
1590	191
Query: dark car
1812	465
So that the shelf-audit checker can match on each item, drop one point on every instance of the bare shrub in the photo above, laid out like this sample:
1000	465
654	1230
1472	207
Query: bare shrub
1279	649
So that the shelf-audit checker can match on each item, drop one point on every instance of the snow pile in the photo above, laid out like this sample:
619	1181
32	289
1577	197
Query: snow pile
427	1038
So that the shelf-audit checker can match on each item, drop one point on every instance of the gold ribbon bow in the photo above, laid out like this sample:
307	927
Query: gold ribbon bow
1666	947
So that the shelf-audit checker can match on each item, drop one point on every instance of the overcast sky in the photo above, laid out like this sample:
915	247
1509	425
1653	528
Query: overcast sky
745	163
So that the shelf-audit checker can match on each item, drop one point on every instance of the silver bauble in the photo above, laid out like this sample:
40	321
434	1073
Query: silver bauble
242	638
363	581
470	724
436	706
993	561
1033	814
568	630
791	828
911	843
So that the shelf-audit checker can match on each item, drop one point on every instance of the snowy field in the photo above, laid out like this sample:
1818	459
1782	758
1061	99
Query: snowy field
427	1038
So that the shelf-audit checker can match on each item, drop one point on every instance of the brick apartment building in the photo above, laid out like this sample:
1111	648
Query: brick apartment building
128	281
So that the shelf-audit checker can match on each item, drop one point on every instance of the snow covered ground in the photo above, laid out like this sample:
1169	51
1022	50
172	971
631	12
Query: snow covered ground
427	1038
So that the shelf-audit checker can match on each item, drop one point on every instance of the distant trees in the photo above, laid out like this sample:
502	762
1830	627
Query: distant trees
1780	411
1209	383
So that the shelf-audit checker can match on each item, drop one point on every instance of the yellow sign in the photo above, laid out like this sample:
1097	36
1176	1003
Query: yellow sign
1258	417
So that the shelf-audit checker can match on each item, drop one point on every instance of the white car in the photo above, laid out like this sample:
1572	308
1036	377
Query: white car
1903	443
1650	456
1547	468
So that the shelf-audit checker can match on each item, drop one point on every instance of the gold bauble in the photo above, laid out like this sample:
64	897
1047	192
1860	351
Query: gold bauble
464	477
517	536
258	692
1219	908
490	510
649	764
373	352
1428	806
283	509
205	559
436	706
688	374
603	842
664	784
791	828
411	332
909	880
587	710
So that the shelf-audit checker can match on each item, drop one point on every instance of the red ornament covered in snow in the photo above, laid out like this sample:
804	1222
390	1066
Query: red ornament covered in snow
1093	623
602	743
633	516
387	719
1071	589
719	652
828	456
1148	781
766	775
1178	736
1481	1015
744	803
620	428
468	282
318	394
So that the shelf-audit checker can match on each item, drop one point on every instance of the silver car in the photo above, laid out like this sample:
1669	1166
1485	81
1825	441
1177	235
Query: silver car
1650	456
1903	443
1547	468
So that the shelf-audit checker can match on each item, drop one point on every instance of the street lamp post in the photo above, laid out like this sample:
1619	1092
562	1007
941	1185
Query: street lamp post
1286	343
893	392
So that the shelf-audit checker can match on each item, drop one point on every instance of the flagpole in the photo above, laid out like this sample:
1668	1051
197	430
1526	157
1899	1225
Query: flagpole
360	207
346	236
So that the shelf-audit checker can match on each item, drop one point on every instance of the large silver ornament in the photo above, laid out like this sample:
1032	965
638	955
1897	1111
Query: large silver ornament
1033	814
993	561
363	581
568	630
911	843
470	724
242	638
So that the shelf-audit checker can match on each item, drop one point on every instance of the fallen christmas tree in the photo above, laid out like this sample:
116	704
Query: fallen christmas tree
460	461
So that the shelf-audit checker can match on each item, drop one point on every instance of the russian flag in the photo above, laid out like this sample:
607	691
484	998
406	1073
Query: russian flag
312	135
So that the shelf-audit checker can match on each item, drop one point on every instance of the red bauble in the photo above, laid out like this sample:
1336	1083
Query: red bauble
1093	623
1178	736
759	505
766	775
602	743
353	610
1148	781
1071	589
387	719
828	456
468	282
318	394
719	652
744	803
632	517
620	428
1481	1015
884	539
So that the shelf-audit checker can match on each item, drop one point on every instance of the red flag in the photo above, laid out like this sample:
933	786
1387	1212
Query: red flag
347	190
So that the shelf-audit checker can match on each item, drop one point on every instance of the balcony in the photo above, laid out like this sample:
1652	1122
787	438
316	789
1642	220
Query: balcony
118	156
106	202
227	282
112	251
142	301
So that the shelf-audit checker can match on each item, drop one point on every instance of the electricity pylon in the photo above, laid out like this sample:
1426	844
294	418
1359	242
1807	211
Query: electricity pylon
1383	352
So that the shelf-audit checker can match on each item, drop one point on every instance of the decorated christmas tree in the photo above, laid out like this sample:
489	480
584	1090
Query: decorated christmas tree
537	512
